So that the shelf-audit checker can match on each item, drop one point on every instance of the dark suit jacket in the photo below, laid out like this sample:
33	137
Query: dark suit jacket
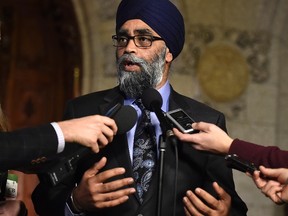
27	147
269	156
195	169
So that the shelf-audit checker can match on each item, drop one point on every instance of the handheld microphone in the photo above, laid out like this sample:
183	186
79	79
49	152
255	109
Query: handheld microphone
152	100
125	118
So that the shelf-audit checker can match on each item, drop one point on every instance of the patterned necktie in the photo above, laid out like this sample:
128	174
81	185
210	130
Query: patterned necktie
144	151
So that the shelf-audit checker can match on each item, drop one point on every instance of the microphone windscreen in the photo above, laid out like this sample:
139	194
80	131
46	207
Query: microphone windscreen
125	118
151	98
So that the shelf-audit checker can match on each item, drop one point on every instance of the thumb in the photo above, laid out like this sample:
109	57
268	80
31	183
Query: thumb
223	195
96	168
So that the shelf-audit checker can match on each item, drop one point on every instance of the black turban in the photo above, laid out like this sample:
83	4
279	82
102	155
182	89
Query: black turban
161	15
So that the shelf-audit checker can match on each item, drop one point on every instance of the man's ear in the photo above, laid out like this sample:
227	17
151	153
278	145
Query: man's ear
169	56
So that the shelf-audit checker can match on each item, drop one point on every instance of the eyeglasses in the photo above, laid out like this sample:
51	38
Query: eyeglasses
139	40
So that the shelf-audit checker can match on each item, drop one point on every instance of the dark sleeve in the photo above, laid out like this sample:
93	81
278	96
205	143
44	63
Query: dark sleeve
269	156
50	200
218	171
19	148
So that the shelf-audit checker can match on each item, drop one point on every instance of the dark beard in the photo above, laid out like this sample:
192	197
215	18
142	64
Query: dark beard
134	83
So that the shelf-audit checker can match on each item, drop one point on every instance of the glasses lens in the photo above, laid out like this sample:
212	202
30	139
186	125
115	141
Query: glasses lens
143	40
119	41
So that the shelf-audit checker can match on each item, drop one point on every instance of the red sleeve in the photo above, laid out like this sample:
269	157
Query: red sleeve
269	156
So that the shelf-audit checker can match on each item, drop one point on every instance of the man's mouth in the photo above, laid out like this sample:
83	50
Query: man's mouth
130	66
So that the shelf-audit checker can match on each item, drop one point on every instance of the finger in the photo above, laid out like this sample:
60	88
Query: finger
108	174
111	124
191	138
221	192
188	205
177	132
108	132
112	203
208	198
271	189
278	198
198	207
259	182
112	186
115	195
271	173
95	147
95	168
102	140
187	212
270	186
202	126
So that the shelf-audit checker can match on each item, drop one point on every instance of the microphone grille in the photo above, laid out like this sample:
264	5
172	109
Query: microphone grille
151	98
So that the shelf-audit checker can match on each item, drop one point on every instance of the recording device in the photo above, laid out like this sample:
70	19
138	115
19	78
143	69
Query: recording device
125	118
152	100
181	120
234	162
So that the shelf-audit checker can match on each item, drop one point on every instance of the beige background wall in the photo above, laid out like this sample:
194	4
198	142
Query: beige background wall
240	50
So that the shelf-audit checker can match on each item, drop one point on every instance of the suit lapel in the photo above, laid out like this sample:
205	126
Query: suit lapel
111	99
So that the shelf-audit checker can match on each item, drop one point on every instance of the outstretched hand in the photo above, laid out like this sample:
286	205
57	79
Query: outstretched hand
194	206
96	192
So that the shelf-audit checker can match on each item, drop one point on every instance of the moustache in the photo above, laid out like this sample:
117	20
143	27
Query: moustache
130	59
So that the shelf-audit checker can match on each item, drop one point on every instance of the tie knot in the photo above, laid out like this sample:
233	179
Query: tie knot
145	112
139	103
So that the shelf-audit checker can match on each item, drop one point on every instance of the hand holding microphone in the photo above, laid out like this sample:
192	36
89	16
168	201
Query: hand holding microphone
125	118
94	131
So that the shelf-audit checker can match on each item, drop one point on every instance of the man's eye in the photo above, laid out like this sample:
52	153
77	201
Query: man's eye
143	38
122	39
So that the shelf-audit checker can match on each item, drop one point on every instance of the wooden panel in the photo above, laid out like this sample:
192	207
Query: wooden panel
39	49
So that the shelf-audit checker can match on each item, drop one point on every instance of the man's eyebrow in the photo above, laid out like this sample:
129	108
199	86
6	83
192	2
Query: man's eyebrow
143	31
122	32
136	32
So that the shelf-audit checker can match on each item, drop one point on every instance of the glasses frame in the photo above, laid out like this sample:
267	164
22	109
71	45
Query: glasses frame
153	38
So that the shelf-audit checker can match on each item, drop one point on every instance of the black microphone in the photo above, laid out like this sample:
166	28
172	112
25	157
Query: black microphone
152	100
125	118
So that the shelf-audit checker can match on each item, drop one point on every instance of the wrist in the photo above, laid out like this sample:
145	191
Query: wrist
73	203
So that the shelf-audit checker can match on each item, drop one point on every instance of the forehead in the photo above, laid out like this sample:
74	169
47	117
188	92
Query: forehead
136	26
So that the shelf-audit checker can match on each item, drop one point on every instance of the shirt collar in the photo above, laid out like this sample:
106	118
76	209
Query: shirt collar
165	93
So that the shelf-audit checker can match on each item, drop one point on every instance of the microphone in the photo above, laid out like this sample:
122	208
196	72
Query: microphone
152	100
125	118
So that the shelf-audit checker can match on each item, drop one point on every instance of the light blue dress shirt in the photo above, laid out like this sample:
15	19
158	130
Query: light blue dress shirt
165	93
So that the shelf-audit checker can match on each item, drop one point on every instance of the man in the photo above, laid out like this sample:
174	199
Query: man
149	35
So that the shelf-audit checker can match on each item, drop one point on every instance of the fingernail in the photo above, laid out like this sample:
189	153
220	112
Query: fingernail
198	190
